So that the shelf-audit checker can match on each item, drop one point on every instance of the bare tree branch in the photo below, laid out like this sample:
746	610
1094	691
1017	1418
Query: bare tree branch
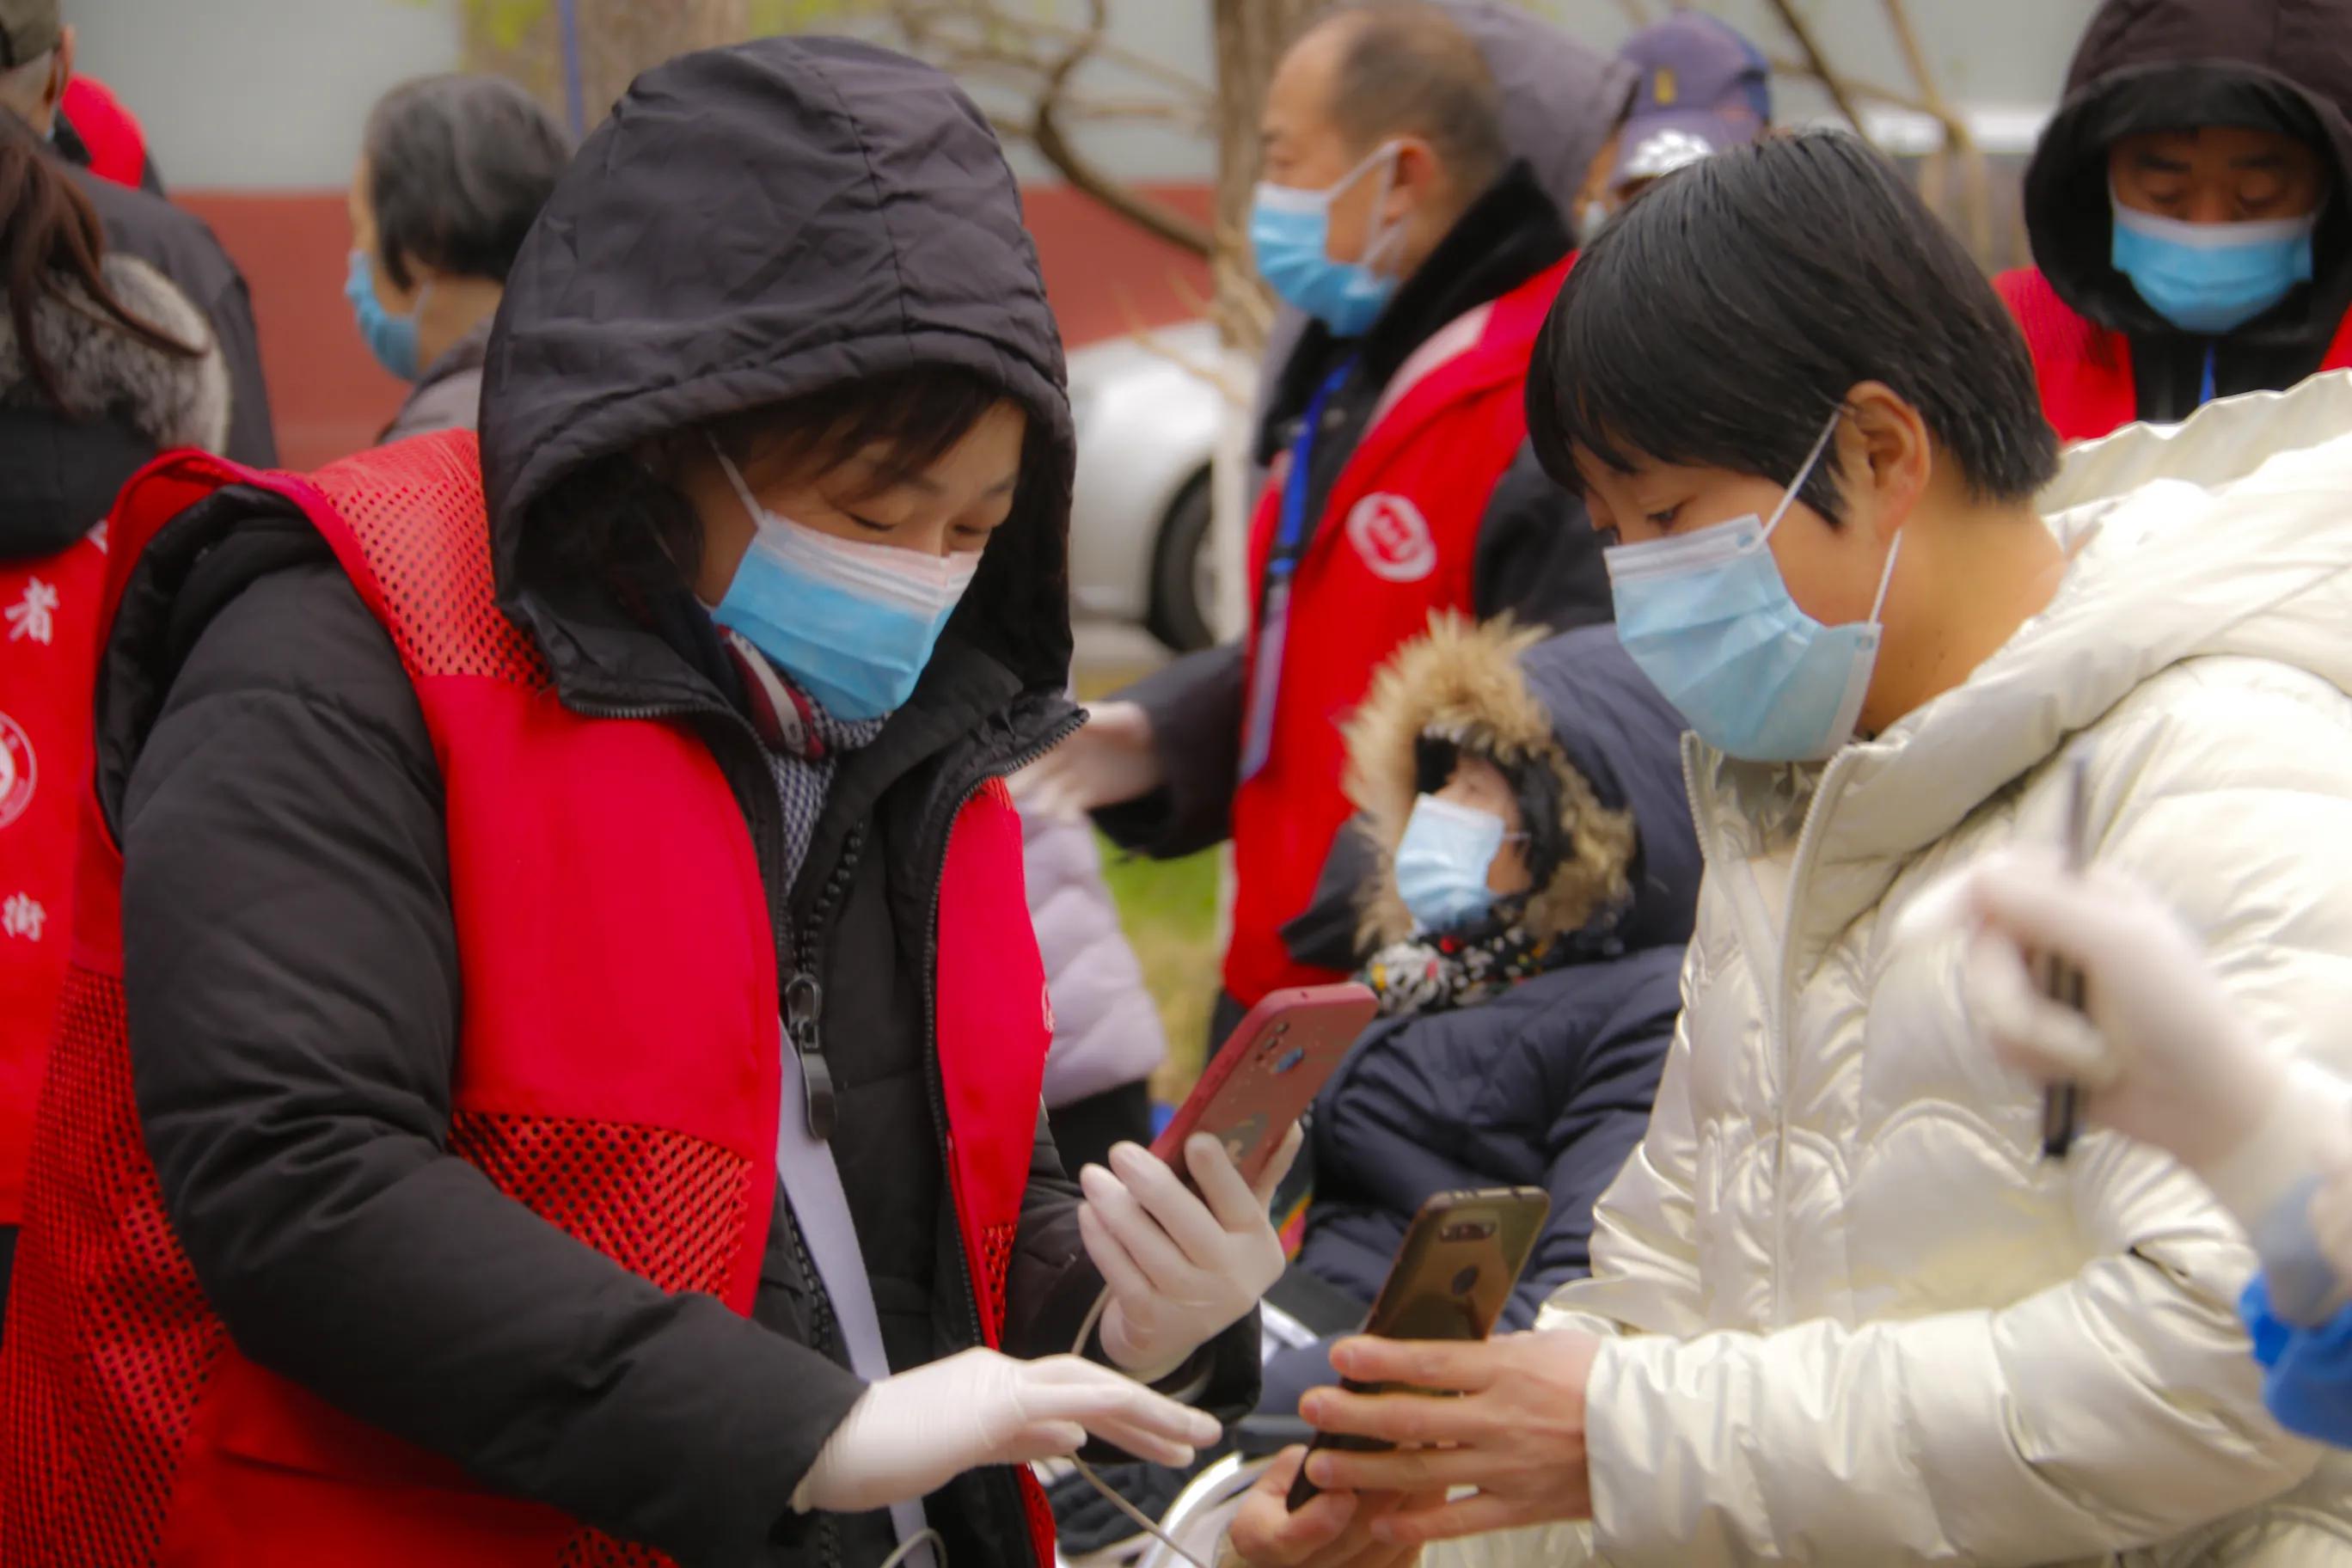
1817	64
1976	174
1083	173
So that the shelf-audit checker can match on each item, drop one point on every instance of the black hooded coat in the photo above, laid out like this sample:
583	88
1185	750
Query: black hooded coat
752	224
2155	65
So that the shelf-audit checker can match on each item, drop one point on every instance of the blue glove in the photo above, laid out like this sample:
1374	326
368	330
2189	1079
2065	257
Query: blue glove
2306	1371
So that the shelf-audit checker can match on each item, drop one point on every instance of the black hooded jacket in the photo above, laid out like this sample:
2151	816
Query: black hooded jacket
2152	65
752	224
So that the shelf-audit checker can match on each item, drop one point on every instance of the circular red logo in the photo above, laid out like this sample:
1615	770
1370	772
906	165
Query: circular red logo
1394	538
18	772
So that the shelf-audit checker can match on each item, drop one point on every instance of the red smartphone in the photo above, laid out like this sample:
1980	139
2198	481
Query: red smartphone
1452	1274
1268	1073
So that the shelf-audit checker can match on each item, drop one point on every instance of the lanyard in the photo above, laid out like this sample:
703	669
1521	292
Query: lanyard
2205	393
1290	534
1290	540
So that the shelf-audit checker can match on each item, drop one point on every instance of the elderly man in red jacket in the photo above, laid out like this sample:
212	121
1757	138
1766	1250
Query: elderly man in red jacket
1392	213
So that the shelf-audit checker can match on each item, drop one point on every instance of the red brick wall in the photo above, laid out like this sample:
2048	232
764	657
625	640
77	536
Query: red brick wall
329	398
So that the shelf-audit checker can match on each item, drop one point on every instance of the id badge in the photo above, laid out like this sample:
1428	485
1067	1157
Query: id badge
1265	681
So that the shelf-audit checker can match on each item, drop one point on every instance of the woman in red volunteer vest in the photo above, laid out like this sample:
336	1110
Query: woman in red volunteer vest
2187	206
119	364
550	1071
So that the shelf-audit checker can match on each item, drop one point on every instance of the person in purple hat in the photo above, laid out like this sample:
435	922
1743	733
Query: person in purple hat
1702	88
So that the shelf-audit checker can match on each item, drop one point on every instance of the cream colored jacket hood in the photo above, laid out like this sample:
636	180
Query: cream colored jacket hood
1864	1322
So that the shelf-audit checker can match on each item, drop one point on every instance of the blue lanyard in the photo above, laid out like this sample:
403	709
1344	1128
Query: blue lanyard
2205	393
1290	532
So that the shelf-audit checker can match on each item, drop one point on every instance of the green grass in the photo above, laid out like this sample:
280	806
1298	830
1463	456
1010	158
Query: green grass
1169	909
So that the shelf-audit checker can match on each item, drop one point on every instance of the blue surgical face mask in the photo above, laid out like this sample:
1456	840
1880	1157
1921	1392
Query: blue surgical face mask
1290	230
1443	861
2212	277
1708	619
852	624
392	339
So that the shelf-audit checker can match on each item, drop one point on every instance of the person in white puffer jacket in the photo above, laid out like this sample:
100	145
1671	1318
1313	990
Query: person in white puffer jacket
1842	1309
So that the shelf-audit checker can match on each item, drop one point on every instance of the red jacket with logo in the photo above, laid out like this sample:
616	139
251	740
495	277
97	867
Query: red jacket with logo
1397	541
2085	370
136	1433
48	658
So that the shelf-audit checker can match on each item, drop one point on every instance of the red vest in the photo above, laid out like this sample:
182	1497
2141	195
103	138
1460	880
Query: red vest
632	1105
48	657
1397	540
2085	370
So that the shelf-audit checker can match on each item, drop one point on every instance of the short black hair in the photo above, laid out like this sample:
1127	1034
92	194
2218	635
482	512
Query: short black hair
1407	66
1720	317
459	167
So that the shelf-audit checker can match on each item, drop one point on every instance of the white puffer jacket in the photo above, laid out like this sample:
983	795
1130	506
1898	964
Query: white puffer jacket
1864	1322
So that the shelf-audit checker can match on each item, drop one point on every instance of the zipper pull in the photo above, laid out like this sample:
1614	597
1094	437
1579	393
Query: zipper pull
803	1002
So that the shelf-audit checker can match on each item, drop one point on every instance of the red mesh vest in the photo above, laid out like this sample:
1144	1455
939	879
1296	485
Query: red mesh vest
618	1073
2085	370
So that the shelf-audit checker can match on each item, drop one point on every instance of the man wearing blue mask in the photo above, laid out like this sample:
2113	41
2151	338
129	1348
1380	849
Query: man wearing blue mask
2186	207
1391	213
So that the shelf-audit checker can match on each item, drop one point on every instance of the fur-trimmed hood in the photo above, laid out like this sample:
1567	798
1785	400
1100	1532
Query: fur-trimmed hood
1608	748
106	373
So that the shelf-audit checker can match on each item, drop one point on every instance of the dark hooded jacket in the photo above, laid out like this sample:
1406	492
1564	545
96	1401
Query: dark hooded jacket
2153	64
1549	1084
752	224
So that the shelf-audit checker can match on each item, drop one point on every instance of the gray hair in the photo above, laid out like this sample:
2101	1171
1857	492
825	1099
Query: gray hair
1407	66
459	167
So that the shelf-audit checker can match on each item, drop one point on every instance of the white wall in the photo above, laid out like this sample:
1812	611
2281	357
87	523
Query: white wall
271	93
259	94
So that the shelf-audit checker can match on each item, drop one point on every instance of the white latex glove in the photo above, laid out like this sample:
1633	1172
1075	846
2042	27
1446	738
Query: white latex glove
1181	1268
909	1434
1113	760
2162	1054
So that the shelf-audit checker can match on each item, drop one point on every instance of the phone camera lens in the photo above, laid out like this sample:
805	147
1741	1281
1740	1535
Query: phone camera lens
1465	1282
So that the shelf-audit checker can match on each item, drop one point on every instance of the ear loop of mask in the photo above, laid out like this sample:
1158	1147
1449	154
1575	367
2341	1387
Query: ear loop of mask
1788	498
1384	238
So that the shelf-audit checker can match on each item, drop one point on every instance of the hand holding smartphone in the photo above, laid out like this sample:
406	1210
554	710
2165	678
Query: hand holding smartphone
1452	1274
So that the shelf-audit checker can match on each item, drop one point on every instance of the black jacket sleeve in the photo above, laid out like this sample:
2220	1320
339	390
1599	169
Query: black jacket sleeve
292	988
252	438
1538	556
1196	725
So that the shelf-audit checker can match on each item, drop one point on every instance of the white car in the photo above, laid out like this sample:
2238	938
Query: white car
1147	423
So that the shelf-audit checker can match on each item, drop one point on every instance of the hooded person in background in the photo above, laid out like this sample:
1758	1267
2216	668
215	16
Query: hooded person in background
102	365
552	1046
37	69
1393	212
2190	210
451	172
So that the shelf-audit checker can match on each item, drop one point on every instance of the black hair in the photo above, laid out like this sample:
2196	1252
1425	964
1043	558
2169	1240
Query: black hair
459	167
1406	65
1721	318
619	520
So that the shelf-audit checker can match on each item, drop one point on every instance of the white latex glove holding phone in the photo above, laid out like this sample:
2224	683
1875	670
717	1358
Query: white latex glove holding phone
2162	1054
1113	760
909	1434
1180	1266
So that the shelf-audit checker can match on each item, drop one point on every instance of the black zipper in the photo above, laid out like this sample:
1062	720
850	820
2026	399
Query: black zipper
804	993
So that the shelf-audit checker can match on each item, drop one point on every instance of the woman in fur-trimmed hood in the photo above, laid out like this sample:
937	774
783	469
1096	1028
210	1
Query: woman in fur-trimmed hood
1523	1040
